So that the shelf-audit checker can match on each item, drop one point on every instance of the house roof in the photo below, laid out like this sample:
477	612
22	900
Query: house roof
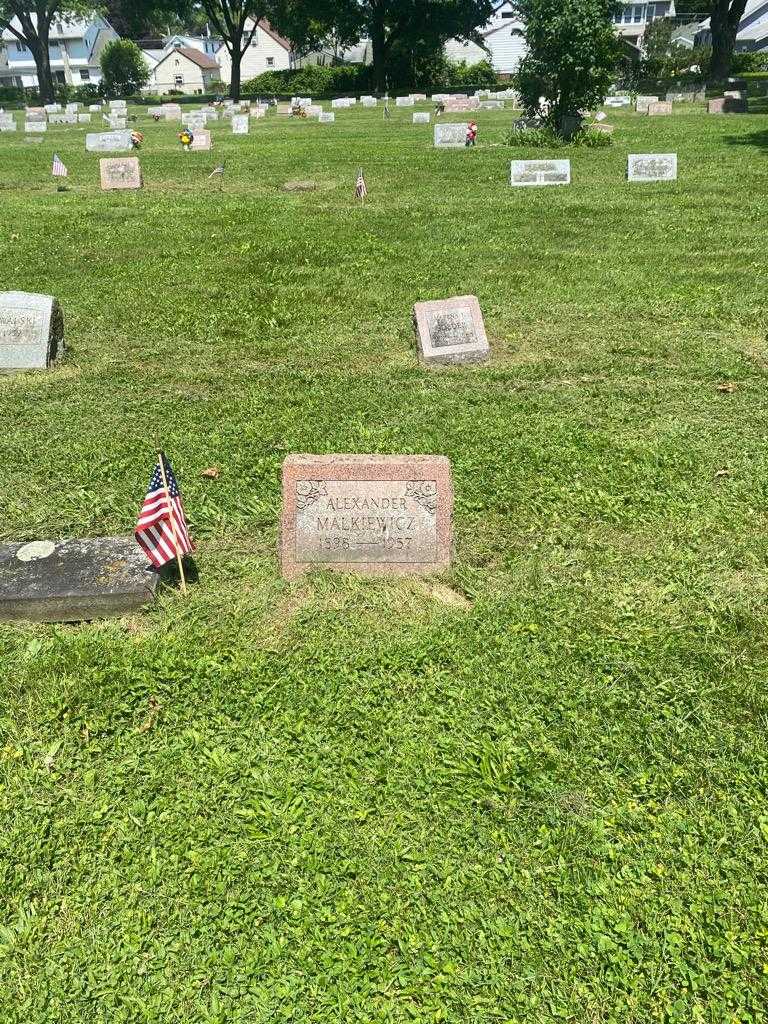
758	31
275	35
201	59
61	28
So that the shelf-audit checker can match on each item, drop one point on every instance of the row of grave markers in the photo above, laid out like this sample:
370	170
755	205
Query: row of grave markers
370	514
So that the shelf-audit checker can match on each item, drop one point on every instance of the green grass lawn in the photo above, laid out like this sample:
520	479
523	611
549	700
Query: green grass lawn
533	790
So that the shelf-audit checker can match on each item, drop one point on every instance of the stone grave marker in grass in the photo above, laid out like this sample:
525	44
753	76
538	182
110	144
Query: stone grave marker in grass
451	331
31	331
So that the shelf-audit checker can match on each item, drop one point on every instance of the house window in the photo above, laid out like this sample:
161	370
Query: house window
178	80
85	75
270	62
638	14
20	47
506	14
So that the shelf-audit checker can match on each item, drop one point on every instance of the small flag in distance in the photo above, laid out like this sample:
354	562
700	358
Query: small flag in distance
361	190
59	170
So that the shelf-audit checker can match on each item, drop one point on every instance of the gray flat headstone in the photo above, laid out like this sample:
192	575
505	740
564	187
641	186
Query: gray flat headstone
421	117
450	136
451	331
240	124
374	514
652	167
31	331
540	172
108	142
35	126
74	580
326	117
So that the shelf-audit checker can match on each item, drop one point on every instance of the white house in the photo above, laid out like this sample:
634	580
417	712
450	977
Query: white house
752	33
268	51
503	38
185	70
503	42
75	47
154	50
633	19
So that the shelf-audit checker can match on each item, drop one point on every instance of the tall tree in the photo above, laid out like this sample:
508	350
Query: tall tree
236	22
137	19
724	19
392	25
30	22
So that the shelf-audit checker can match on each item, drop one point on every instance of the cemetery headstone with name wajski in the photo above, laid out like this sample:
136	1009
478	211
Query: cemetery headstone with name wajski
31	331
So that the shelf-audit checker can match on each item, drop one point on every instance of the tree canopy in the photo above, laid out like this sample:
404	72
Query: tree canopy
572	55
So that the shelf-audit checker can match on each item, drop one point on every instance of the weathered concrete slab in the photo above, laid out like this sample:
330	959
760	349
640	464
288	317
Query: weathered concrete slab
74	580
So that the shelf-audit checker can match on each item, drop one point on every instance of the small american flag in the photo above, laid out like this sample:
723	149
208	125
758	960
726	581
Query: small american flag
360	188
59	170
162	527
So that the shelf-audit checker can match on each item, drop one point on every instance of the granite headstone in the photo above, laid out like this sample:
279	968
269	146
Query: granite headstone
373	514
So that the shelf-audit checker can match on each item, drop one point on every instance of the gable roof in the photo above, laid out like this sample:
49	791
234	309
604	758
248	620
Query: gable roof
275	35
201	59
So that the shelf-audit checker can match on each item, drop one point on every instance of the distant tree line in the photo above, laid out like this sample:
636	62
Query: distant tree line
405	35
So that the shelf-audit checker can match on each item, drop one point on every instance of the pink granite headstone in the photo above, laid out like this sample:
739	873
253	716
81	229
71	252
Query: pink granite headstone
372	514
660	108
451	331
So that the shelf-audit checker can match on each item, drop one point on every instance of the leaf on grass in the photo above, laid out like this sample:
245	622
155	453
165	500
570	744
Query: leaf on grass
212	473
720	473
726	387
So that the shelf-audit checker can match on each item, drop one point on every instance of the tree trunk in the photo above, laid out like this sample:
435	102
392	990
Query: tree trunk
234	85
39	48
378	52
724	24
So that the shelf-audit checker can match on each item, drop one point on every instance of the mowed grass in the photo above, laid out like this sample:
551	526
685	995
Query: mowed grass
533	790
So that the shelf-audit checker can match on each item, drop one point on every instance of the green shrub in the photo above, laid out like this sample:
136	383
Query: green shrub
477	75
545	137
312	80
124	69
12	94
746	62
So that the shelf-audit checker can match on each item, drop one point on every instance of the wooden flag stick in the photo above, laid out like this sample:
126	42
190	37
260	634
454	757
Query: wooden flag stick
161	460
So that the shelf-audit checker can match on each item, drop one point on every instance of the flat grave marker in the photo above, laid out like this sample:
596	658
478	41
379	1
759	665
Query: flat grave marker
451	331
421	117
74	580
539	172
35	126
652	167
240	124
371	514
120	173
108	142
660	109
326	117
450	136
